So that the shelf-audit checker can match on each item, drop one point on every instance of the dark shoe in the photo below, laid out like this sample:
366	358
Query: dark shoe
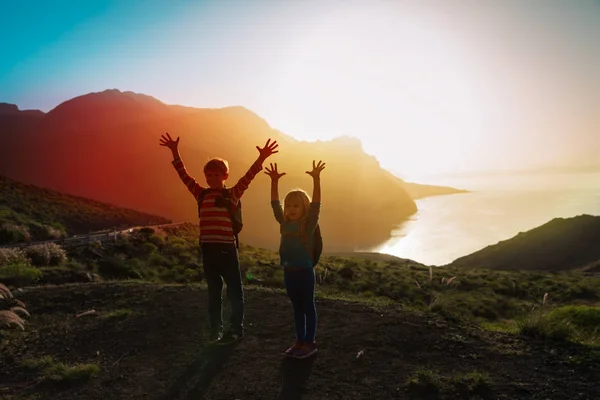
215	337
230	337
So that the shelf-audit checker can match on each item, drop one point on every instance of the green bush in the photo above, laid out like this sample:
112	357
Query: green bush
45	232
117	267
141	235
20	273
157	259
149	248
46	254
157	240
426	384
585	318
472	383
10	233
13	256
191	275
545	328
176	249
76	265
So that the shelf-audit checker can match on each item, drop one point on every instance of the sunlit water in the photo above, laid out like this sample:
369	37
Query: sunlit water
448	227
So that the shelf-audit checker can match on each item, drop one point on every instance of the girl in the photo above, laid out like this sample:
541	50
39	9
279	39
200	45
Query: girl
298	220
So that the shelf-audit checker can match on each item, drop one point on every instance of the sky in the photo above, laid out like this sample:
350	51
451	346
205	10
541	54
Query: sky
430	87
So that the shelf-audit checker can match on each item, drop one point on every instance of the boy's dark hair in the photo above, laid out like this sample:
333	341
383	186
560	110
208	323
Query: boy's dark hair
218	164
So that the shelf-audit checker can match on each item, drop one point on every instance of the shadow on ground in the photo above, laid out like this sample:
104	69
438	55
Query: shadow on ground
197	377
294	376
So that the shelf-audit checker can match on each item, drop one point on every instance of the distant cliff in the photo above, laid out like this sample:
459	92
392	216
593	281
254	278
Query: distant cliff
561	244
418	191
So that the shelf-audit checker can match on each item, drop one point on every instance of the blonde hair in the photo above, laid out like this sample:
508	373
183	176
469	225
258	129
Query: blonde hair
217	164
298	194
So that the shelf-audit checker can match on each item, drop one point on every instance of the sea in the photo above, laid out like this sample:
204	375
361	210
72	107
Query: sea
497	208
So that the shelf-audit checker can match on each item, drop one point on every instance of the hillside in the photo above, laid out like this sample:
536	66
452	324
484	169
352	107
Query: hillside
39	213
104	146
561	244
388	328
148	342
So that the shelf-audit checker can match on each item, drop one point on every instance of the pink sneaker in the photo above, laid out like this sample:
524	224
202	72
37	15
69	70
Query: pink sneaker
305	350
293	348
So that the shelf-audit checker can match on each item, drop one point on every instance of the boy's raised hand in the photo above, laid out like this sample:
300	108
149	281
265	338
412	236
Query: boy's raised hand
268	150
168	142
316	171
273	173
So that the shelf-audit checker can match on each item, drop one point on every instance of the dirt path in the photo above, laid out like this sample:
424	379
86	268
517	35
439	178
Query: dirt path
159	351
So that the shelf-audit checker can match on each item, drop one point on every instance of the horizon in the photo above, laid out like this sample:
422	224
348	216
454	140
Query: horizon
471	87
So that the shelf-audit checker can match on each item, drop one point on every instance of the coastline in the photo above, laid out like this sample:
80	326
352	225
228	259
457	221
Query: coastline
418	191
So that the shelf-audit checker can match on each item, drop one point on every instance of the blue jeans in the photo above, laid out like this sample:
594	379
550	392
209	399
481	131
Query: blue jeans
221	263
300	287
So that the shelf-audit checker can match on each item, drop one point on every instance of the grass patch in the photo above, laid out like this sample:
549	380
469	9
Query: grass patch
584	318
504	326
508	350
117	314
429	384
472	383
425	384
585	359
52	371
576	323
77	373
546	328
37	363
20	274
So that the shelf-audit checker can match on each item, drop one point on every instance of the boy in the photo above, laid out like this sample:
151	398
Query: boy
217	240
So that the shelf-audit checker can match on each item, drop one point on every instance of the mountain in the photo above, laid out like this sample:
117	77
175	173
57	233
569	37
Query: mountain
104	146
27	211
561	244
11	110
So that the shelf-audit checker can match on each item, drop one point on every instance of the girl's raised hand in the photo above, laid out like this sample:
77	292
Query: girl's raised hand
316	171
273	173
168	142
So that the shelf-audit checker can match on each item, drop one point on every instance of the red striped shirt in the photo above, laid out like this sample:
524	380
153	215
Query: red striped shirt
215	224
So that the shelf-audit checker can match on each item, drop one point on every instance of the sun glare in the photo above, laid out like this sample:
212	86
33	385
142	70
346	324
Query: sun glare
390	80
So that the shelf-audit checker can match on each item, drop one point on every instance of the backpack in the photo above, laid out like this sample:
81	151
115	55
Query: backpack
235	216
317	243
